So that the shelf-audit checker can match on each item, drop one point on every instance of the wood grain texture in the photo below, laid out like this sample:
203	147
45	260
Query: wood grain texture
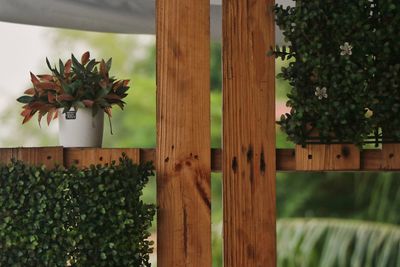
321	157
249	160
391	156
370	159
84	157
49	156
183	133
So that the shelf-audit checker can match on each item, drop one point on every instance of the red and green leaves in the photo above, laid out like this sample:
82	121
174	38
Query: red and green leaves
73	84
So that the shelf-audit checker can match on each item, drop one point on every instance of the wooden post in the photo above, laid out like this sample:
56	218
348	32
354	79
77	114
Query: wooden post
183	133
249	168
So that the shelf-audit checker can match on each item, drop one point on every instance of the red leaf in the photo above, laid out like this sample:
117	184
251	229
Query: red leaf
46	86
103	68
30	91
46	77
113	97
50	116
65	97
85	58
26	112
45	108
51	98
67	67
34	79
117	85
36	105
55	115
88	103
40	116
27	118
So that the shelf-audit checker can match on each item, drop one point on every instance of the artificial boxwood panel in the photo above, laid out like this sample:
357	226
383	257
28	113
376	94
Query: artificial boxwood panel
344	71
71	217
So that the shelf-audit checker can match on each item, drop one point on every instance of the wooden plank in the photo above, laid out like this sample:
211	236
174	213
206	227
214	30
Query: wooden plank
6	154
249	156
285	159
148	155
84	157
183	133
370	159
391	156
321	157
48	156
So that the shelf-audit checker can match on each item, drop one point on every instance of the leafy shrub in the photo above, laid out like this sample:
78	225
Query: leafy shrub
345	72
75	84
71	217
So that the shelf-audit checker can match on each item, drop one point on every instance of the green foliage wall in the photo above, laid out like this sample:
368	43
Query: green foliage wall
346	74
91	217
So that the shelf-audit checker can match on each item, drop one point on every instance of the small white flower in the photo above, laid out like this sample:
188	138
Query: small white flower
346	49
321	92
368	113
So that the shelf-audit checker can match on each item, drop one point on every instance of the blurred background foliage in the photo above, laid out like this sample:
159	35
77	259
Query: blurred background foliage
349	202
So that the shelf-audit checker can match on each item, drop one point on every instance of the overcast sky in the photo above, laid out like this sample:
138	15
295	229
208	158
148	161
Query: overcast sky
23	49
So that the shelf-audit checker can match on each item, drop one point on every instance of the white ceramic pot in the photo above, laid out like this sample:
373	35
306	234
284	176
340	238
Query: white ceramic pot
80	129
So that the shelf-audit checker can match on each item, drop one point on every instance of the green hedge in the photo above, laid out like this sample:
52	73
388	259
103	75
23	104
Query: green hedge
71	217
343	68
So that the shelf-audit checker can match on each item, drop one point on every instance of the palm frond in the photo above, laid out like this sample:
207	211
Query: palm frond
337	243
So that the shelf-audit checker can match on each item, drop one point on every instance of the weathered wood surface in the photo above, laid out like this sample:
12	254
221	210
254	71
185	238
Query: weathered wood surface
49	156
183	133
370	159
391	156
84	157
333	157
249	163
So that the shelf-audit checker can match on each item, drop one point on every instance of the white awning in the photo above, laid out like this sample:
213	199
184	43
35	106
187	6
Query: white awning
118	16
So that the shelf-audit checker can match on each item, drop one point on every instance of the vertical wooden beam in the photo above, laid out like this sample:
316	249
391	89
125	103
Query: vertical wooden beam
249	160
183	133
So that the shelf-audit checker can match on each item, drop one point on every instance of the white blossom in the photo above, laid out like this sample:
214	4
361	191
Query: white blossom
346	49
321	93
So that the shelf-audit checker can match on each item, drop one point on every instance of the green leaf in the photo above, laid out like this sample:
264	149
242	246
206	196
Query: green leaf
25	99
77	65
61	66
108	64
90	65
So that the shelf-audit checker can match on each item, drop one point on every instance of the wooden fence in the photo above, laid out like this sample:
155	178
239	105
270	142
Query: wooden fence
387	159
373	160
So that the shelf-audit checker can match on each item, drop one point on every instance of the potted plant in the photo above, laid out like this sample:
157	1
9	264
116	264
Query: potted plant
78	93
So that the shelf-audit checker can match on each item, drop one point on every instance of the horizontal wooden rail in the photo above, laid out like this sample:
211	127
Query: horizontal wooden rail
371	159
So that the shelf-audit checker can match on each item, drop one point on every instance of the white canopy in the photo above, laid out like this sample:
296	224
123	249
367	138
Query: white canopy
119	16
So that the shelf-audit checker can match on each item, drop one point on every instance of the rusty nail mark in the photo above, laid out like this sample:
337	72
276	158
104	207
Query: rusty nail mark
234	164
178	167
345	151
